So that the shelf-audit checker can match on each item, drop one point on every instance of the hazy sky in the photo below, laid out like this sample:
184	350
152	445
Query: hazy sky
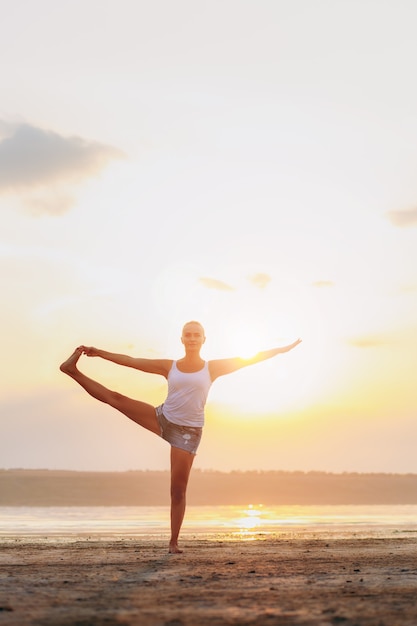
247	163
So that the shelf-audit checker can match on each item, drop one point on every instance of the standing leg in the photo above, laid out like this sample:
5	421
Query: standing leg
181	463
140	412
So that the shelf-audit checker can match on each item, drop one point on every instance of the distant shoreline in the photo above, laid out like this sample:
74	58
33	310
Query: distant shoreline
22	487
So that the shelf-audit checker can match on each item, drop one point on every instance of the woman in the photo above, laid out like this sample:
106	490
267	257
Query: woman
180	419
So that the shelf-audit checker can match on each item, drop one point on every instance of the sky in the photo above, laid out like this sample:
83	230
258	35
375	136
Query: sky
247	163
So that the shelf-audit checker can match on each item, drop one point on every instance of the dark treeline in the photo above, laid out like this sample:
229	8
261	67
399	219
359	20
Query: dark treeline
19	487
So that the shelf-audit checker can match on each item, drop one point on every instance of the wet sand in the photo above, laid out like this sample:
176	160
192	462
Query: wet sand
280	580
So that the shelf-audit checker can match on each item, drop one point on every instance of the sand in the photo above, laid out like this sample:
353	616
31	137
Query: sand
279	580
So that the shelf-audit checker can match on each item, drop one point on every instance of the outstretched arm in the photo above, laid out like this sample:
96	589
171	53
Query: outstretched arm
151	366
220	367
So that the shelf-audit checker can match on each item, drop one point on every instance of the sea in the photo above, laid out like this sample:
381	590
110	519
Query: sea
249	521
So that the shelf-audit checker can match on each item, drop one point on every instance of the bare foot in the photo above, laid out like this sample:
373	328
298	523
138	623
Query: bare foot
69	366
174	549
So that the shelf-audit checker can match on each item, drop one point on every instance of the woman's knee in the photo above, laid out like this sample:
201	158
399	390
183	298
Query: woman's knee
116	399
178	492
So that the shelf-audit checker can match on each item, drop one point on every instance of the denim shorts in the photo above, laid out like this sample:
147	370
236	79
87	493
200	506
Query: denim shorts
185	437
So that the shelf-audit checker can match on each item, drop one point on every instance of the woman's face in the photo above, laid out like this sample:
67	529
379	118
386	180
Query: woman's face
193	336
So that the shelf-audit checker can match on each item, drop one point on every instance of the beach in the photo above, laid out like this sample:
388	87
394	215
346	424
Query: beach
289	578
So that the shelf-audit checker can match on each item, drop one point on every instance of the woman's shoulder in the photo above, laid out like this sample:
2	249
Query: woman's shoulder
221	367
158	366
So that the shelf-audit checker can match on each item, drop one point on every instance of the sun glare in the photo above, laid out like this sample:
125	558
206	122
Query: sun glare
246	342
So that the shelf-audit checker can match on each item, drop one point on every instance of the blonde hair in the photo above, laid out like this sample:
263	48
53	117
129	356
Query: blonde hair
194	322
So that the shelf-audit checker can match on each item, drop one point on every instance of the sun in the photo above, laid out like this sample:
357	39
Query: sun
246	341
279	386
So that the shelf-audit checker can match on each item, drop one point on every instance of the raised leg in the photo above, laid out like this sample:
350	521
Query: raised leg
140	412
181	463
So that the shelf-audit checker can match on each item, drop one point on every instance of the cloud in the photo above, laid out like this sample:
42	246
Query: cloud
323	283
213	283
408	289
41	164
260	280
369	341
51	202
404	218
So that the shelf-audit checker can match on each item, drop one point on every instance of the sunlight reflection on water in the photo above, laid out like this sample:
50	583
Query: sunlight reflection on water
245	521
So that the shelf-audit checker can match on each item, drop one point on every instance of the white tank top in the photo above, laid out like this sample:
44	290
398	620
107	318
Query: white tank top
187	395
